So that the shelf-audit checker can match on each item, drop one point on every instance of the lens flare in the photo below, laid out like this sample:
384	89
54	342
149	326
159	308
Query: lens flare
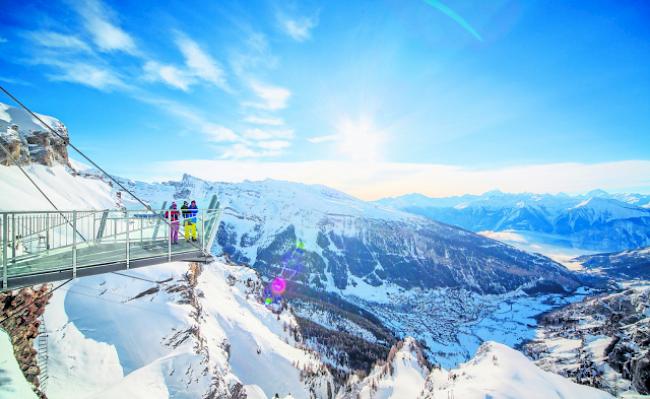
278	286
290	265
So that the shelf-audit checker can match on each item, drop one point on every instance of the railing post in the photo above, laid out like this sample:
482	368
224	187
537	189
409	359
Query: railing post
203	231
169	238
13	235
128	242
5	227
102	225
74	244
154	236
47	231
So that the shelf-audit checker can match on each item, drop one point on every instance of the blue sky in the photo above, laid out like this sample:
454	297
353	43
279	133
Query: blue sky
360	95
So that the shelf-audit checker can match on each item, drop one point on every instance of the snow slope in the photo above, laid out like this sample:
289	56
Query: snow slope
116	336
499	372
12	382
625	265
351	243
402	376
66	190
10	115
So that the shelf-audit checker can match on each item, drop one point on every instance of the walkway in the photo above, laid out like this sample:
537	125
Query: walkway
41	247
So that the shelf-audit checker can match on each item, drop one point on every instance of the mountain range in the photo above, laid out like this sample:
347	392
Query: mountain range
596	221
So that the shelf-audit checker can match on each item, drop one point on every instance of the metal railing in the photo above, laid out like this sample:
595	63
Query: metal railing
37	242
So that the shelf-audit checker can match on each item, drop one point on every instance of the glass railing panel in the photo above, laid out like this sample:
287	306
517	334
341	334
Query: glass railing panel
148	236
38	242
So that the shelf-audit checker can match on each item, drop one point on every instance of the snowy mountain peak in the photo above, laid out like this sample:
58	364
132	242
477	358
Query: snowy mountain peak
501	372
607	209
401	376
598	193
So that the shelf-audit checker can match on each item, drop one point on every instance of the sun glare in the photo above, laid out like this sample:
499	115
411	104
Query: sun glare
360	140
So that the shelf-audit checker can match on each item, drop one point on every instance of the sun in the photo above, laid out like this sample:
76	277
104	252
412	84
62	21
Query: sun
359	139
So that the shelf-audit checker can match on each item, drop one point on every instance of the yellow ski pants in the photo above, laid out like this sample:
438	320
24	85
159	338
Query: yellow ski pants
190	230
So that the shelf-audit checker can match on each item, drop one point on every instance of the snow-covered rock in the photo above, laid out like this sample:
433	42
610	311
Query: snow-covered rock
30	142
401	376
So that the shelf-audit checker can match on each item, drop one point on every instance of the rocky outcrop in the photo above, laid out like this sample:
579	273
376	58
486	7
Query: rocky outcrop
29	142
19	316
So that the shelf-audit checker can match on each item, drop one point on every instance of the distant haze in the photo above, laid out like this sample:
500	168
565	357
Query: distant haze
374	180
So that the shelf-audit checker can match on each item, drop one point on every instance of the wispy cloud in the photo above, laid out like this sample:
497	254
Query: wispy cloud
15	81
59	41
70	58
211	131
253	53
100	23
218	133
264	120
3	40
323	139
299	29
199	66
259	134
272	98
245	151
169	74
199	63
97	77
274	144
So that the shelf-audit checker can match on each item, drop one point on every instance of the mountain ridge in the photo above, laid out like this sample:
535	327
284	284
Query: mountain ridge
597	221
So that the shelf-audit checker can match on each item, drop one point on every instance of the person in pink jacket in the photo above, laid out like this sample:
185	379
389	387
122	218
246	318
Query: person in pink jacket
172	216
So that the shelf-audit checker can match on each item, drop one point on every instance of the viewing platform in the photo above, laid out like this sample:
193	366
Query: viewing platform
47	246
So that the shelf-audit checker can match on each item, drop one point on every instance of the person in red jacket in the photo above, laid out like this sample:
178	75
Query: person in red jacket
172	216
